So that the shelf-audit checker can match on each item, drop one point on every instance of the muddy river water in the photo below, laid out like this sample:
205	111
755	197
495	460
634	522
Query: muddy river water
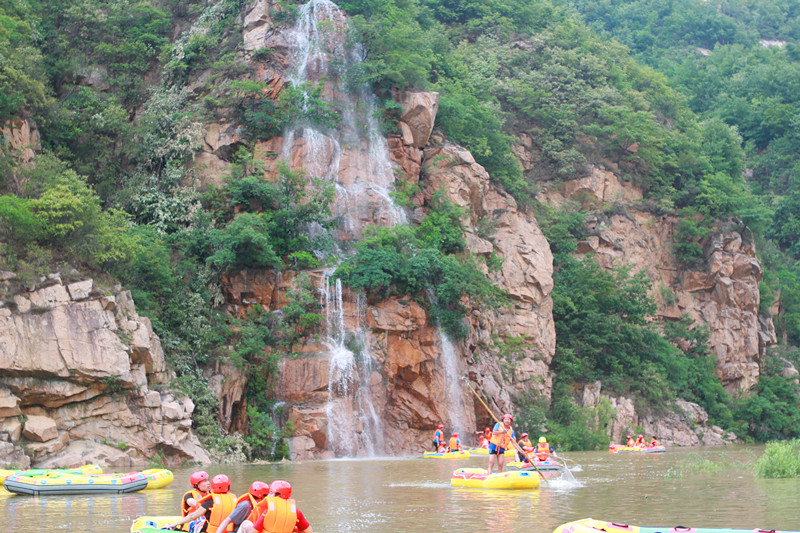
709	487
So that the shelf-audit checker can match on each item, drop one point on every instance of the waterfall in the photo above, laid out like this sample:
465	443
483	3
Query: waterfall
457	409
355	157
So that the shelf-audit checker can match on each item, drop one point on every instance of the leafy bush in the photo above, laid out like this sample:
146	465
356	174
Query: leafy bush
779	460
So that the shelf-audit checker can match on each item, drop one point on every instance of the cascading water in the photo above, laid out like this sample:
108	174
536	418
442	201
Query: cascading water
457	409
354	156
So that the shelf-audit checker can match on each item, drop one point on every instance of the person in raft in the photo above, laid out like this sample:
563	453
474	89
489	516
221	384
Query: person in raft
502	438
246	510
211	509
455	443
438	438
654	442
640	442
201	485
526	445
279	513
629	442
543	450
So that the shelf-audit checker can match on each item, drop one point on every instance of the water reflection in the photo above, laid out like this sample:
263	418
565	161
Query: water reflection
411	494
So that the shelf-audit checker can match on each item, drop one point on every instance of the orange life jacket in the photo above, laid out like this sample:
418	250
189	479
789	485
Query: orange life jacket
543	450
526	444
455	445
629	444
640	442
253	516
224	504
654	442
197	497
503	440
280	516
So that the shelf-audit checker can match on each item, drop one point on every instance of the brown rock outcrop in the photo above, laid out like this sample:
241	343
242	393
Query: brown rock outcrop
79	365
722	295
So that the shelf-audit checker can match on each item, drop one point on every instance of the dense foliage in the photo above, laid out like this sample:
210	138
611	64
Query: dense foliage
120	91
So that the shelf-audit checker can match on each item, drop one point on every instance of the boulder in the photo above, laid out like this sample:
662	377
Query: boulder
40	429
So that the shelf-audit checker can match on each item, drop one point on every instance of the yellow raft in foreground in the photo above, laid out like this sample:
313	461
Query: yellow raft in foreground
446	455
589	525
477	478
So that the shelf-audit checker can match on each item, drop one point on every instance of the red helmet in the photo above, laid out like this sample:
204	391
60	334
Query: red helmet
198	477
259	489
440	426
487	429
281	488
455	434
524	435
508	415
220	484
641	436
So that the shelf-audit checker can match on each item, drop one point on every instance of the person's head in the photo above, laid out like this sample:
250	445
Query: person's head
524	435
628	437
220	484
507	419
487	430
641	436
655	438
455	434
199	477
542	439
440	426
259	489
280	488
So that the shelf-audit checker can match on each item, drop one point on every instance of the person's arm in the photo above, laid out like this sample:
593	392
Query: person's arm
188	518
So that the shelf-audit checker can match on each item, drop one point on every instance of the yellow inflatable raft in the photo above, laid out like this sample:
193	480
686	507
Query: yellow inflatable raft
485	451
589	525
157	478
76	484
34	472
446	455
477	478
153	522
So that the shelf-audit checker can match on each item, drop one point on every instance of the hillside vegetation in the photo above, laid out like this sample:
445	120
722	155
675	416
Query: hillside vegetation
105	195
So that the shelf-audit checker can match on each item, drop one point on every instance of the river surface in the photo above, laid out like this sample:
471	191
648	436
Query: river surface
709	487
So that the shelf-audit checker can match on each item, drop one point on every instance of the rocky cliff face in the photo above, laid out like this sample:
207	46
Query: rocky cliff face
82	381
405	381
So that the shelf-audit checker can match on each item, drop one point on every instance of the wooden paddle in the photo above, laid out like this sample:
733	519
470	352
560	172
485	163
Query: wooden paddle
517	446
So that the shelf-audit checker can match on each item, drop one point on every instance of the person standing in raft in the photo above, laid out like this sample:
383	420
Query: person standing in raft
279	513
502	438
246	510
455	443
438	438
211	509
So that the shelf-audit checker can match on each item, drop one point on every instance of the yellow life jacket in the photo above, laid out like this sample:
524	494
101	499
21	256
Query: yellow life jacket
542	450
224	504
280	516
503	440
189	510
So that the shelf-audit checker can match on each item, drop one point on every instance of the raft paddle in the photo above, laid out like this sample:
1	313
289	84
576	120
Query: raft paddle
516	446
